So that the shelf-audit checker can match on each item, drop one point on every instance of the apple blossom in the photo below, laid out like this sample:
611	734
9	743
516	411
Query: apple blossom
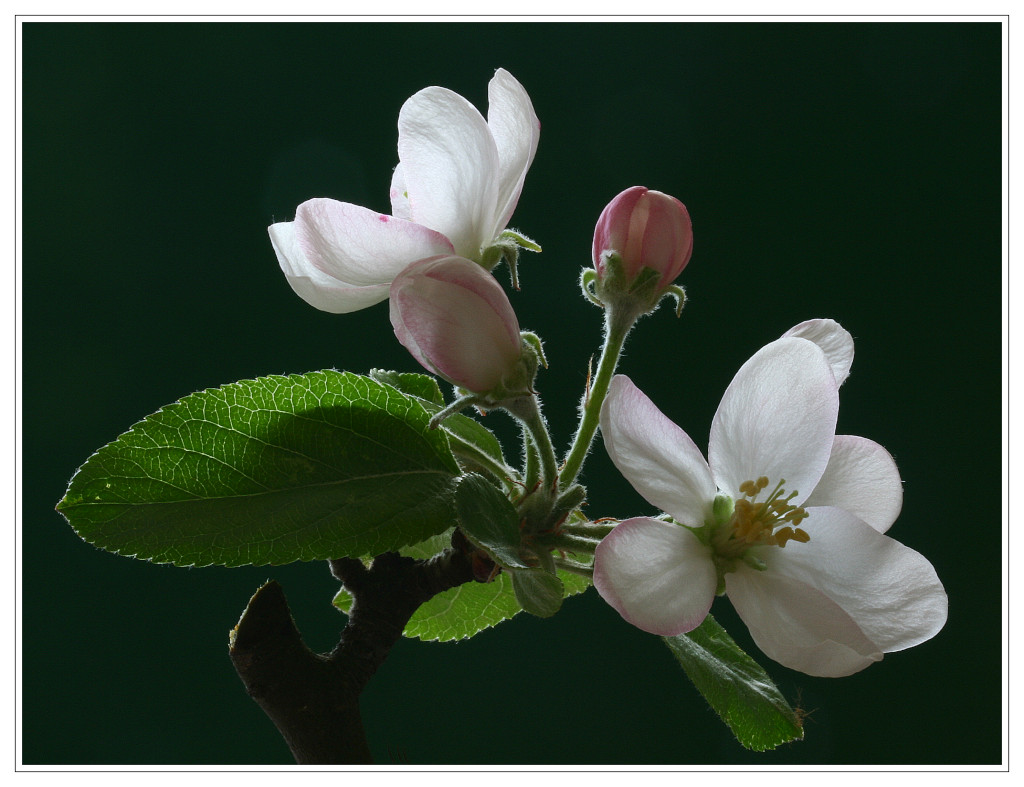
456	320
785	518
646	229
454	190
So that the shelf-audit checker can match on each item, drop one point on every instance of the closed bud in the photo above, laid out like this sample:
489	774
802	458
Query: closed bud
646	229
456	320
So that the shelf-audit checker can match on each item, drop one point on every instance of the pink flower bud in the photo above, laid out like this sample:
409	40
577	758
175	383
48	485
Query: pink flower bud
647	229
456	320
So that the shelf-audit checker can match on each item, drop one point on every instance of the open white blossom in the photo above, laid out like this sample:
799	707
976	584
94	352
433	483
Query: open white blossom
454	190
785	517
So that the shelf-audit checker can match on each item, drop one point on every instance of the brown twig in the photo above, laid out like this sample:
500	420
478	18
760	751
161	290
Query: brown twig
312	698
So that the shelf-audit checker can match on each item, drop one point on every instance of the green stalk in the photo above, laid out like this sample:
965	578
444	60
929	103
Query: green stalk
531	469
527	411
573	567
470	453
616	331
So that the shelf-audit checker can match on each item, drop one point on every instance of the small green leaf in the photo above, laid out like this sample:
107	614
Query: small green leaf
466	435
468	609
538	592
489	520
421	386
736	687
306	467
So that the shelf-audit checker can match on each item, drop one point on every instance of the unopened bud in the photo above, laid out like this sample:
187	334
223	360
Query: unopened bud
646	229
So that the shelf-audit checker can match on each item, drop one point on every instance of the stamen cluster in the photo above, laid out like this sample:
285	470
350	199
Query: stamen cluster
765	523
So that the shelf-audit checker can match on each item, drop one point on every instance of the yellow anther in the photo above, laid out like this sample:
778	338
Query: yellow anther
755	523
783	535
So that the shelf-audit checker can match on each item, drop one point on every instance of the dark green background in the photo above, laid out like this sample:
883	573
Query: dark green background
848	170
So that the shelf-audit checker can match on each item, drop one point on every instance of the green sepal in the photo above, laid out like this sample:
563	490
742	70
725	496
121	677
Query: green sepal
736	687
520	240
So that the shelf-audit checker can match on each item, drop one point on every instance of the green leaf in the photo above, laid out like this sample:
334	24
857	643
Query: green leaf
538	592
466	435
422	386
489	520
736	687
468	609
307	467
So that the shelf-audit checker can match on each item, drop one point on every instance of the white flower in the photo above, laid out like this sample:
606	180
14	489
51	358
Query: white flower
786	517
456	186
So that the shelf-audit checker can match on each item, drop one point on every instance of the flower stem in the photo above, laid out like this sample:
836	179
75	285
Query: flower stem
573	567
527	411
616	330
595	530
473	455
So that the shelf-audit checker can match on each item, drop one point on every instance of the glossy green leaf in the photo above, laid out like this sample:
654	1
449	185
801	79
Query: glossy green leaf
736	687
489	520
273	470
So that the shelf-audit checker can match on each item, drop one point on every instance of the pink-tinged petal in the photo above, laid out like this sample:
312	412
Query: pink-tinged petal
655	574
315	287
400	207
862	478
516	131
657	457
891	591
450	165
834	340
799	626
648	229
776	419
360	247
456	320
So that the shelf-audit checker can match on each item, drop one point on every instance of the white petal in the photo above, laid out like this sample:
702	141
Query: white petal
861	478
657	457
360	247
797	625
450	165
456	320
400	207
657	575
315	287
516	131
891	591
834	340
776	419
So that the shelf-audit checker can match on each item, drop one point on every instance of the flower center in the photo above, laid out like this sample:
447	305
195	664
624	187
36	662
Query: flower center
772	522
